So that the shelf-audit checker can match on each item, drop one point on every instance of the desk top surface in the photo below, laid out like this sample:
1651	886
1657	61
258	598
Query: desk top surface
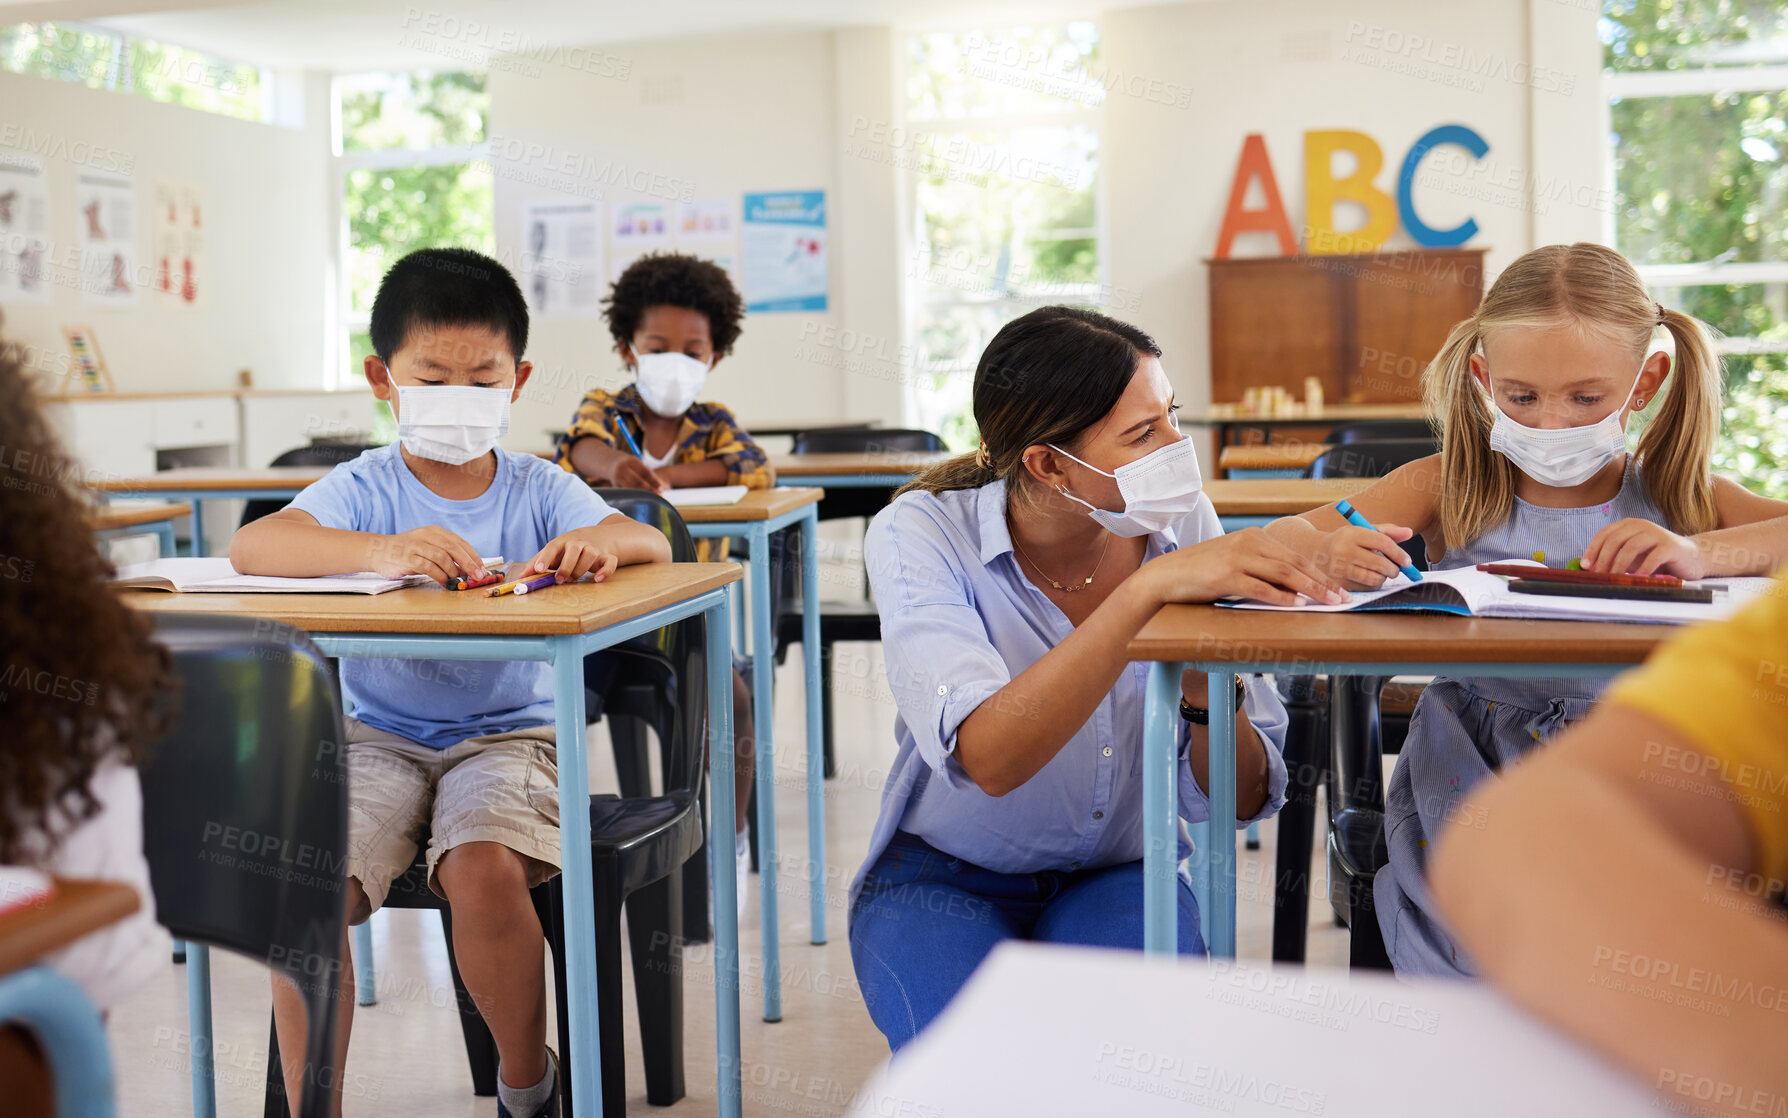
1279	642
1332	413
1275	456
184	478
873	462
557	611
1280	496
76	908
759	504
105	518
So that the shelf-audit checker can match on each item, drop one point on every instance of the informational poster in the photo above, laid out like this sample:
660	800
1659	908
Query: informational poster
178	244
24	230
639	225
106	232
561	263
707	220
783	249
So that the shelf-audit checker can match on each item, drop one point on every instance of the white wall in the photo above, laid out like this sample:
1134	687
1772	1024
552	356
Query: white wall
744	113
264	196
1284	68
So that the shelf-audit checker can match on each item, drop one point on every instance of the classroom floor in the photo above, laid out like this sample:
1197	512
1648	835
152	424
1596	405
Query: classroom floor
407	1055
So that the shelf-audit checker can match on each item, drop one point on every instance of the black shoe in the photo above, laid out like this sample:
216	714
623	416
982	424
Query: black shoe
549	1108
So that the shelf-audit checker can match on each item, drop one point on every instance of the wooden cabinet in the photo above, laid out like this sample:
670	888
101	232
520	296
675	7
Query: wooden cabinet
1366	326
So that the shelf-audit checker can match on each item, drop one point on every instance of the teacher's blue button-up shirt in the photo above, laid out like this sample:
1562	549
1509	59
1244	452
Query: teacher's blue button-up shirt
959	621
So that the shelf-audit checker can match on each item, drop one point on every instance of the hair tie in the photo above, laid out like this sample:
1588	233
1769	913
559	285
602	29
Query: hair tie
1660	307
982	458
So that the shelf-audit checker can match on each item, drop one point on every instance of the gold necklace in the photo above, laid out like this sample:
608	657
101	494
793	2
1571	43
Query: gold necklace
1053	582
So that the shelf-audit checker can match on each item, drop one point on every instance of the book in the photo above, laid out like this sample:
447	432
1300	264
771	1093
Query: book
217	576
706	495
1467	592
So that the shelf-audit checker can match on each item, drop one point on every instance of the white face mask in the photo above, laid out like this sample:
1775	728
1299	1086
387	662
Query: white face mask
451	423
1159	489
668	382
1566	456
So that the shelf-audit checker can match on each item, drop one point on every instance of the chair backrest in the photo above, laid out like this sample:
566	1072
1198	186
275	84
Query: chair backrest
1378	429
682	645
316	454
1374	458
245	819
864	440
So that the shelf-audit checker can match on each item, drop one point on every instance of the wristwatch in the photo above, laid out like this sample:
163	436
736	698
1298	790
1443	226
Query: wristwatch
1201	716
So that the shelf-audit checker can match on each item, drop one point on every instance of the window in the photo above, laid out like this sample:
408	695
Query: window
104	59
1698	93
413	175
1000	147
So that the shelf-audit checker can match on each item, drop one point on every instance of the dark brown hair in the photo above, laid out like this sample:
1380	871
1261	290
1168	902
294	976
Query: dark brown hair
79	672
1045	378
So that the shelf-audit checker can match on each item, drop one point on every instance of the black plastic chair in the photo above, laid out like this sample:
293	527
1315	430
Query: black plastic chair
839	620
316	454
1371	458
1377	430
252	764
644	851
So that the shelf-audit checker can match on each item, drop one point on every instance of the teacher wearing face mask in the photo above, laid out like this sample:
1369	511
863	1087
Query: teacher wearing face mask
1009	582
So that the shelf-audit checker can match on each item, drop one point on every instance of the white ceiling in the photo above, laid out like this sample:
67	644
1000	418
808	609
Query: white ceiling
350	35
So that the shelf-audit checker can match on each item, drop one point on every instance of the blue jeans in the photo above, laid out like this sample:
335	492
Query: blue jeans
925	920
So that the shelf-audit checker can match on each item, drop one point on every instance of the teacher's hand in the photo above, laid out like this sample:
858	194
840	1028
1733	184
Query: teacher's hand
1249	563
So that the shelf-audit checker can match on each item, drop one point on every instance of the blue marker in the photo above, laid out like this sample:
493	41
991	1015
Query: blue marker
628	435
1354	518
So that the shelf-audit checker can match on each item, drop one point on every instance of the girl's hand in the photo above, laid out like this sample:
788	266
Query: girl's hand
1640	547
1249	563
1362	559
571	558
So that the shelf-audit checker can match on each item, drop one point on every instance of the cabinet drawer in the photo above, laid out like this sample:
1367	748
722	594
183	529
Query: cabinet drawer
198	421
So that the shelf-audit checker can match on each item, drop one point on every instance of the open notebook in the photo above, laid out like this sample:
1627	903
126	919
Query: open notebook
216	576
706	495
1469	592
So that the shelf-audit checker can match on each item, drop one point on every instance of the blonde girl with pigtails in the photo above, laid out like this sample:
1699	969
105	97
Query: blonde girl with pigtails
1531	397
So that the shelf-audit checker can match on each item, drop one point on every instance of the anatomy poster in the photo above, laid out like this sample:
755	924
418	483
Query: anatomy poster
179	244
24	230
106	231
561	264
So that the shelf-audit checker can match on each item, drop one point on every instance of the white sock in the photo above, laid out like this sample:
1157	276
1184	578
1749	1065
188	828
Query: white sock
522	1102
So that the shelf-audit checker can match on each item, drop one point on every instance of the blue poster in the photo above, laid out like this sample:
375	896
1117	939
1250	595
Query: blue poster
783	249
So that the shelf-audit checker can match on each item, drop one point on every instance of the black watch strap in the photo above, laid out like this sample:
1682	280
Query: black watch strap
1201	716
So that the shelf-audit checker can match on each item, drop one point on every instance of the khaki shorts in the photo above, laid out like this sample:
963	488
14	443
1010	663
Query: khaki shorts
501	788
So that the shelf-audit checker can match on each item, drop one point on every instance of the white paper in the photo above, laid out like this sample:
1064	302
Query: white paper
693	495
561	262
24	230
106	232
178	244
218	576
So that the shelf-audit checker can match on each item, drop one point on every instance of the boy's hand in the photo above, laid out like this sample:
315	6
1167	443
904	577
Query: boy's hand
571	558
631	473
1360	558
1640	547
431	551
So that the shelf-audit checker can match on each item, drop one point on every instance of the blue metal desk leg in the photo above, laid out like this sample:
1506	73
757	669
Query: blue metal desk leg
71	1033
1221	690
198	528
198	1027
585	1057
1160	812
763	721
816	746
366	979
724	840
164	534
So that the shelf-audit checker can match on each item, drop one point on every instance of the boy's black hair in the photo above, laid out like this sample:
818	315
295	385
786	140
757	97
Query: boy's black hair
674	279
447	287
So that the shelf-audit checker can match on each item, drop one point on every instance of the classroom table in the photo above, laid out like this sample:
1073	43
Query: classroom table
1226	419
559	626
1255	503
1271	460
74	1036
114	520
199	484
756	516
1225	641
887	469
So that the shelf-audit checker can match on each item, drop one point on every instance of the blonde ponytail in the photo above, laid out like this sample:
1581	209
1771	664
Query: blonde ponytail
1677	445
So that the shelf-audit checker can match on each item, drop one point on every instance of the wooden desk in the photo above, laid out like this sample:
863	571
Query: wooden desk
110	521
1231	415
757	505
1225	641
76	908
869	470
1271	460
199	484
560	626
797	426
1243	504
